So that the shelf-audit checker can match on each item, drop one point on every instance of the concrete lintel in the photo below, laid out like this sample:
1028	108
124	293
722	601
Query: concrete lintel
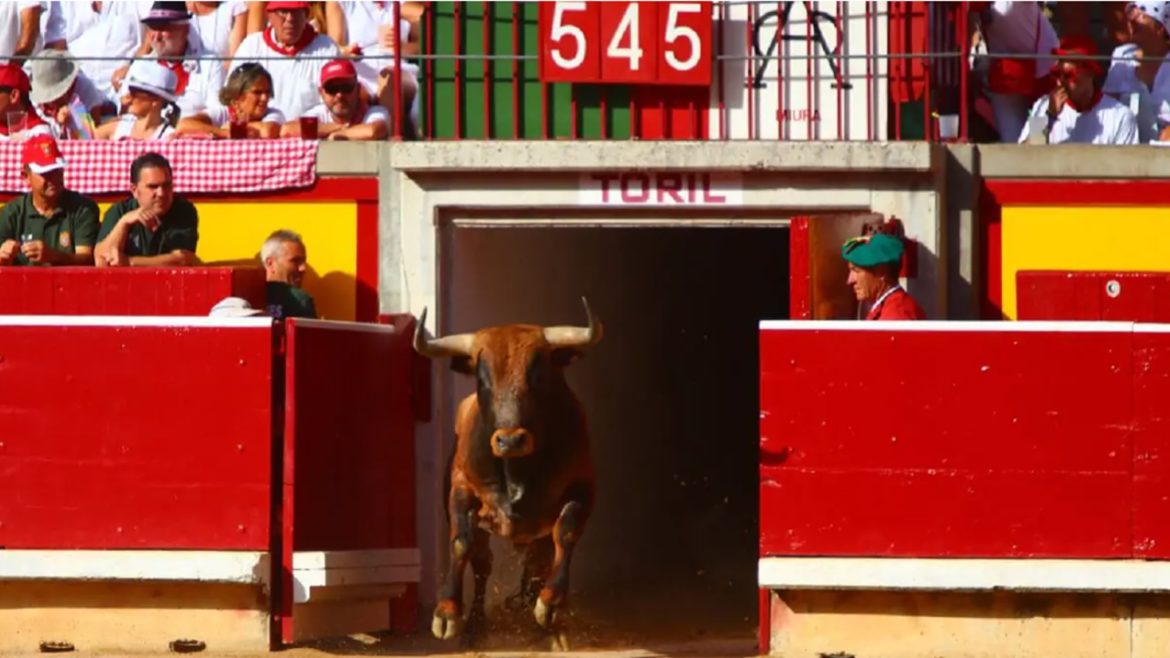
248	567
351	158
1073	161
842	157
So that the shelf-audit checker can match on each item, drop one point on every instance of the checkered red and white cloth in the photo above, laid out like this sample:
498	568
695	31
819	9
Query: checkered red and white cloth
248	165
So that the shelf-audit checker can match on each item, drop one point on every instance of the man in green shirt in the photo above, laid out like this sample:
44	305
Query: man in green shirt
152	228
285	263
50	225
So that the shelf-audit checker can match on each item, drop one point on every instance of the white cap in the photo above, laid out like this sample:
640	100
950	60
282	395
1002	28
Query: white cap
1158	10
152	77
234	307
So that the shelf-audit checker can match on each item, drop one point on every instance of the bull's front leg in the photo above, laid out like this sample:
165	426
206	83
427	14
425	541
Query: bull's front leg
447	621
566	533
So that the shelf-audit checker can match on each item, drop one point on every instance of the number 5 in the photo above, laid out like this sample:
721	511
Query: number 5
559	30
674	31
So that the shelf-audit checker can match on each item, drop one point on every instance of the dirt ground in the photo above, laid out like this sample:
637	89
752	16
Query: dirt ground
414	646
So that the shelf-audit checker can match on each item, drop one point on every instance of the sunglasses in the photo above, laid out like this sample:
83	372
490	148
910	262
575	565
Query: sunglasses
340	88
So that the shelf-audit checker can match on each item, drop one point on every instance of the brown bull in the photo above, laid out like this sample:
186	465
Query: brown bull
521	468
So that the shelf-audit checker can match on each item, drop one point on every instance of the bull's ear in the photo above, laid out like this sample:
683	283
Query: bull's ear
463	364
563	356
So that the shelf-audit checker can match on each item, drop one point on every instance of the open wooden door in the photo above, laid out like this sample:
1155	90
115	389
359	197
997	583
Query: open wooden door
817	271
349	559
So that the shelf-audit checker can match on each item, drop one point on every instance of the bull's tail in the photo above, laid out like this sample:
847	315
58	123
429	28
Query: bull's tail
447	479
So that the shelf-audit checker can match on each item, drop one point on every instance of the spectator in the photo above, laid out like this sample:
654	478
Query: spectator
285	262
1015	28
20	27
873	274
50	225
149	109
1076	111
370	34
245	98
168	37
234	307
105	30
53	27
220	26
18	119
1138	71
61	94
291	40
152	228
343	114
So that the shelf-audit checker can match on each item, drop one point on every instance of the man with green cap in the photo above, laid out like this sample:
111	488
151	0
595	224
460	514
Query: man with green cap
874	261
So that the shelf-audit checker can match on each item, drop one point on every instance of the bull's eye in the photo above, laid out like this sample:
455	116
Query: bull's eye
483	375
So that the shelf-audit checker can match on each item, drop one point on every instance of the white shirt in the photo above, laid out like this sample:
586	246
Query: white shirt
126	124
219	116
374	114
294	79
108	35
10	24
204	80
52	24
215	29
1153	106
362	20
1013	30
1109	122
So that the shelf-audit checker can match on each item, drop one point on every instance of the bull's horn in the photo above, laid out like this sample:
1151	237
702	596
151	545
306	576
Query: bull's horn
454	345
579	337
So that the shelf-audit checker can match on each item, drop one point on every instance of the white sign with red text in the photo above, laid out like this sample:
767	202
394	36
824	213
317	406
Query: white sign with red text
660	188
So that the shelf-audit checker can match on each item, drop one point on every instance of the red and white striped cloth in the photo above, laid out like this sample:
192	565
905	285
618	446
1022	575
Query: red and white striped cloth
249	165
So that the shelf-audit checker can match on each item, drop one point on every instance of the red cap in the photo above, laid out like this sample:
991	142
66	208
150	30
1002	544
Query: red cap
273	6
338	68
1076	46
41	155
14	77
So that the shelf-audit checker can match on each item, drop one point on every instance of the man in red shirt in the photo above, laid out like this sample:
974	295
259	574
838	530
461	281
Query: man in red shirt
17	116
873	273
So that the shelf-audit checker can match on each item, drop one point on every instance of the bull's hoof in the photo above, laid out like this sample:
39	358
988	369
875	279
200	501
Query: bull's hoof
559	641
447	622
546	615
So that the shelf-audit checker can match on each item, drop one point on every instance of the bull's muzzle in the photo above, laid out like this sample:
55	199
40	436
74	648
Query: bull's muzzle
512	442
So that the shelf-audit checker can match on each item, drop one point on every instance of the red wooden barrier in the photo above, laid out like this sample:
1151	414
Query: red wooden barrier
1122	296
349	481
125	291
152	438
946	439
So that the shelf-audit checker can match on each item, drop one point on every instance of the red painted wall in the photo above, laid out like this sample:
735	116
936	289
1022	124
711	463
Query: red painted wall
1120	296
125	291
146	438
964	443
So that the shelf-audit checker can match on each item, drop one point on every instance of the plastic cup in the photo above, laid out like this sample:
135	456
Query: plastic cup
948	126
308	127
238	129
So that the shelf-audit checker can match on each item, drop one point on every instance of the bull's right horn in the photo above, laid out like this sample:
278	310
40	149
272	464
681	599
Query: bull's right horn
578	337
454	345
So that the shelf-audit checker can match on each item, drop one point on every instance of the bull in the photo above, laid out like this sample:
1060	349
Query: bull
521	468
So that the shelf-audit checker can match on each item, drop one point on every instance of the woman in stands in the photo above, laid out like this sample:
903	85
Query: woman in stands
1138	75
148	107
245	100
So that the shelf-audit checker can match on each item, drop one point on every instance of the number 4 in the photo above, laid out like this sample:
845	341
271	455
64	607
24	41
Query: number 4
628	25
674	32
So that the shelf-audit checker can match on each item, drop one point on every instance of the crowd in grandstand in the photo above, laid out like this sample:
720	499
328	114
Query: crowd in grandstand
1048	86
164	70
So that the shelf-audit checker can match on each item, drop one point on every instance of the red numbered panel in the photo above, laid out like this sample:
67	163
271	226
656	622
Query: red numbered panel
626	42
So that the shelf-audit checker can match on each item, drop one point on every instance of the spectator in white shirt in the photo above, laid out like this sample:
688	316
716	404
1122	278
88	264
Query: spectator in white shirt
149	105
300	51
1139	76
60	89
244	99
1077	111
105	30
220	25
343	114
371	35
20	27
1010	28
168	36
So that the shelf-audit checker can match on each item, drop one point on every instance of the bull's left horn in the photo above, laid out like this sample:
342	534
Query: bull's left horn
579	337
454	345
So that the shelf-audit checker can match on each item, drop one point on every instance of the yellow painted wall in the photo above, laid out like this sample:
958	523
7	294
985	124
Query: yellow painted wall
1130	238
234	231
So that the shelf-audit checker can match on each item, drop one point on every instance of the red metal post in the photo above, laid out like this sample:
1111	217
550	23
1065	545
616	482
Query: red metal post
429	27
544	109
781	51
719	75
808	66
843	27
751	64
927	73
868	72
396	14
458	34
961	22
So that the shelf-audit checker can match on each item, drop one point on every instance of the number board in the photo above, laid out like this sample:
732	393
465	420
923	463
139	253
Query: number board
626	42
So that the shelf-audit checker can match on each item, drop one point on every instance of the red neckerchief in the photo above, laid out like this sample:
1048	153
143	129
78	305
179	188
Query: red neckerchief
1092	103
296	48
181	73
